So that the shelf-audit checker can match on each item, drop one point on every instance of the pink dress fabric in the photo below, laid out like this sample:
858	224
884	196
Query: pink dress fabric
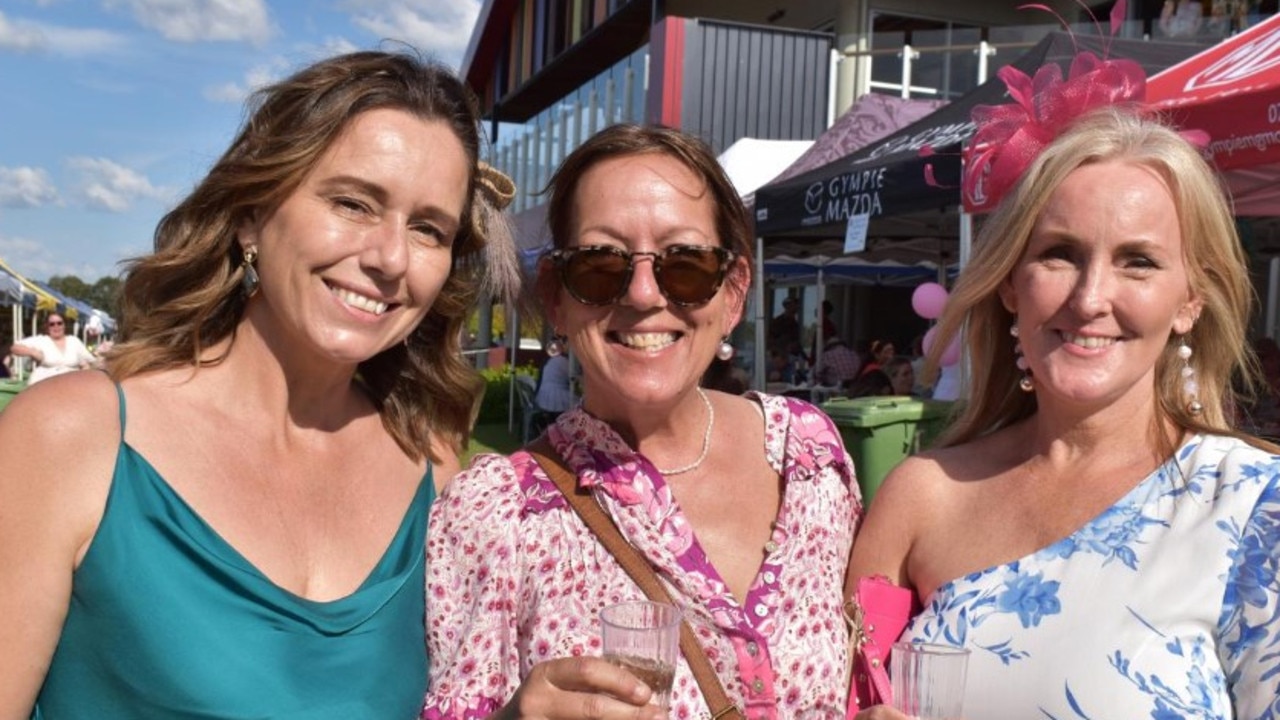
515	578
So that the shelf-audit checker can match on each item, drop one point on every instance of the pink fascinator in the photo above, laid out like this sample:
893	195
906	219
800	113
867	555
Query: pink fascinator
1008	137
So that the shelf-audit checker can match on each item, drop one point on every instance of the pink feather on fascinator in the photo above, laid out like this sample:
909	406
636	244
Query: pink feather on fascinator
1009	137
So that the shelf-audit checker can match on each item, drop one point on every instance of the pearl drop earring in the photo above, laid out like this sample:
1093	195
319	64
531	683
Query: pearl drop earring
1190	386
1025	383
725	350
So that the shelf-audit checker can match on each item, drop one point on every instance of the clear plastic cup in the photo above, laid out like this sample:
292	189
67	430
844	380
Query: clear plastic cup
928	680
644	638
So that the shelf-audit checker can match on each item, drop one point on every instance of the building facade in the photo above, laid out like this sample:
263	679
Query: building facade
550	73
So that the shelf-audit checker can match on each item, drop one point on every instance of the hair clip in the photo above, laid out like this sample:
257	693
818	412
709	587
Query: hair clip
499	186
1009	137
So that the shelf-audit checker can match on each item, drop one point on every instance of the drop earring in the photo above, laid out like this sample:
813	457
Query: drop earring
249	281
725	349
1190	386
1025	383
556	346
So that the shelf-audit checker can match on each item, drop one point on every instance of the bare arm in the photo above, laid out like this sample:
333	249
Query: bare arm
27	351
884	542
883	545
50	503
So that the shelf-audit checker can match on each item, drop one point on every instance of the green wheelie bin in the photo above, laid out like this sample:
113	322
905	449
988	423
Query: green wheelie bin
880	431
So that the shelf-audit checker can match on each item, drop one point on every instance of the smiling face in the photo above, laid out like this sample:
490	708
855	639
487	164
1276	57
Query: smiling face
56	327
902	376
1101	286
352	259
643	349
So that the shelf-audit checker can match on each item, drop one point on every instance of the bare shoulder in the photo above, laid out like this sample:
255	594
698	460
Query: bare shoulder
914	497
58	443
932	479
67	419
449	465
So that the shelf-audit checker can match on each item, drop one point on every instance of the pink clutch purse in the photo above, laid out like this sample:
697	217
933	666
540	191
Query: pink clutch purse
877	614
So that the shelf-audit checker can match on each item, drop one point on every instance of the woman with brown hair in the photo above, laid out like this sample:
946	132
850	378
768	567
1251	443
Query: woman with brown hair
240	530
743	506
55	352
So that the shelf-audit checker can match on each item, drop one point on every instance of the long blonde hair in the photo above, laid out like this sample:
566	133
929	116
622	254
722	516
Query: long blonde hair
1216	270
186	296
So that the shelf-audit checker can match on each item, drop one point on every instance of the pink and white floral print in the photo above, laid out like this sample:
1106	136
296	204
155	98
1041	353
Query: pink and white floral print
514	577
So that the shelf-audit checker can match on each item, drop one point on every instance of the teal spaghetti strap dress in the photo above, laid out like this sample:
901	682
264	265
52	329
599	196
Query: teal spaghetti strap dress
167	620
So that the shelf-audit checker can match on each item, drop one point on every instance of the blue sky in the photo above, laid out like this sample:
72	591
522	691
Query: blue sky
111	110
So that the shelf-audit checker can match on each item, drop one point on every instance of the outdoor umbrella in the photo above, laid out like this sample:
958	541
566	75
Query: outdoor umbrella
1232	92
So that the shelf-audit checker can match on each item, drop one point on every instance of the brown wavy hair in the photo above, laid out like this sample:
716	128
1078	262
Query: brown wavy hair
186	296
1217	272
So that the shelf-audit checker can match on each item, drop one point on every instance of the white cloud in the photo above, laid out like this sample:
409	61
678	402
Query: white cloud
30	258
26	187
26	36
203	20
440	28
36	260
20	36
336	46
106	185
257	77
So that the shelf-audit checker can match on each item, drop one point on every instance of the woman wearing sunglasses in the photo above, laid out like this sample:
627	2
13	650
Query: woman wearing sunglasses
55	352
744	506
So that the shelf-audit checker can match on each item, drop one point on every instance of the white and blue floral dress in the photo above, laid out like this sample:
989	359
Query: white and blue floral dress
1164	606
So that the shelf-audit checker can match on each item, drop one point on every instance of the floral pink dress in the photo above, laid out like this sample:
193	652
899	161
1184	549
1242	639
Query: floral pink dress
515	578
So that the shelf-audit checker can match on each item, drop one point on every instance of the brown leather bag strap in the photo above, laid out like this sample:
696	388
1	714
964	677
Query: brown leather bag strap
638	568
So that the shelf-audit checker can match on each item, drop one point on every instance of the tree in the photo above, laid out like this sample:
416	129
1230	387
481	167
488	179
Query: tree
105	295
102	294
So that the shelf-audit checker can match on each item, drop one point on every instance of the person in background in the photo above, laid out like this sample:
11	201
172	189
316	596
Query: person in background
94	342
6	361
780	367
554	390
869	384
882	351
828	325
1181	18
745	506
923	382
1092	527
240	529
1222	18
948	385
54	352
901	375
784	328
838	363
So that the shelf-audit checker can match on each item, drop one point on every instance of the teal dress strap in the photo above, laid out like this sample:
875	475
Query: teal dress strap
120	398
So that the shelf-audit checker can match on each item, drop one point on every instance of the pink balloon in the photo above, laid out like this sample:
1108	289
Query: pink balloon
927	343
928	300
951	355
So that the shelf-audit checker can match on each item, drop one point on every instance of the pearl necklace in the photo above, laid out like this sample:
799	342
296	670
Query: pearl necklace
706	440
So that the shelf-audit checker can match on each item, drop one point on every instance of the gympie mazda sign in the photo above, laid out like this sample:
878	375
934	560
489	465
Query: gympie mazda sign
879	176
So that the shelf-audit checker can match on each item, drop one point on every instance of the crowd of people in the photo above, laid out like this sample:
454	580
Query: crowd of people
266	513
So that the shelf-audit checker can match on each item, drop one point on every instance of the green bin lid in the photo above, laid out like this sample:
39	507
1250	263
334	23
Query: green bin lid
874	411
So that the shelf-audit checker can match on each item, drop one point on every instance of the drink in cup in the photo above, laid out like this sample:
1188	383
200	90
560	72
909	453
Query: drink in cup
643	637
